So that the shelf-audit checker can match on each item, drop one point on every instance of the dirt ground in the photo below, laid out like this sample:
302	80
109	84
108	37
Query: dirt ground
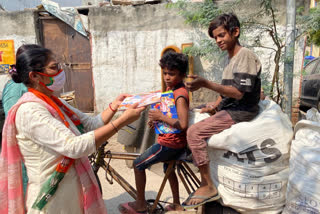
114	194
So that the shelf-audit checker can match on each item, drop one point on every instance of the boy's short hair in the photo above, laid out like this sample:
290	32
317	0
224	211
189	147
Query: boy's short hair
228	21
174	61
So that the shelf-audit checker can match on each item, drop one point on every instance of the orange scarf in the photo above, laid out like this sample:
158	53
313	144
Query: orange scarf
11	173
55	103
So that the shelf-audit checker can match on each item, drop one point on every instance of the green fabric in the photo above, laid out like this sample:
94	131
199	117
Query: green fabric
51	81
51	185
47	190
25	178
80	127
11	94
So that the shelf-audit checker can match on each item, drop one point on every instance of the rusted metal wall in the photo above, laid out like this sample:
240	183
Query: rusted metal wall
74	52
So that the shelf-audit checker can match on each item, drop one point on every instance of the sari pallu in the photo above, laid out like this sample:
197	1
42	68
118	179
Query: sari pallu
11	194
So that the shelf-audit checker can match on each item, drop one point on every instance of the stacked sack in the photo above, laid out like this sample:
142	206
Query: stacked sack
303	192
249	161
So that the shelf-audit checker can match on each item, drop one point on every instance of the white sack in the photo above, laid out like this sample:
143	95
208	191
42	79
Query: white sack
303	193
249	161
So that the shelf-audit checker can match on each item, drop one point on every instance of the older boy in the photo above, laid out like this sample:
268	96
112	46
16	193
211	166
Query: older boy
238	101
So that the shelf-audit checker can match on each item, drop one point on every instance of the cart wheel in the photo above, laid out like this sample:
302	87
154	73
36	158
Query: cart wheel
159	209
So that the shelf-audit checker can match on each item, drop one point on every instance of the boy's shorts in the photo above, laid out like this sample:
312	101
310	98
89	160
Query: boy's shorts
155	154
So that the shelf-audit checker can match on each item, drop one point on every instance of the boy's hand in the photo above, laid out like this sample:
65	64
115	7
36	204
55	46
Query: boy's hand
155	114
197	83
210	109
151	124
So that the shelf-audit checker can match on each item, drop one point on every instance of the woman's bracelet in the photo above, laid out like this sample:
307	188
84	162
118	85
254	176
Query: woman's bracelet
114	110
115	128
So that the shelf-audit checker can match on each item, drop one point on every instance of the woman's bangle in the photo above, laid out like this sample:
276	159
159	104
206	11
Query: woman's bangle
114	110
115	128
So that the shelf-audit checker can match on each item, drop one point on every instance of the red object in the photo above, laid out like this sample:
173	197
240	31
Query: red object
125	208
114	110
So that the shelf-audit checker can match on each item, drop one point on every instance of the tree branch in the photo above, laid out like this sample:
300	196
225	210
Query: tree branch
261	46
274	25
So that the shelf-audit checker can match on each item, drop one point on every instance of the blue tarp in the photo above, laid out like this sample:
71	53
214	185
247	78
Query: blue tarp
307	59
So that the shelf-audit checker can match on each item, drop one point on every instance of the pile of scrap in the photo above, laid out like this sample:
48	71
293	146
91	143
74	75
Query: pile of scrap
69	97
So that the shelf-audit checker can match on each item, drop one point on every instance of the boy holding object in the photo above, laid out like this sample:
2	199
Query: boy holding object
238	101
169	146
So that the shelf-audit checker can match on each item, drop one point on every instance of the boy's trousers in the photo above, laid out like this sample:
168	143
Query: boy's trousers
198	134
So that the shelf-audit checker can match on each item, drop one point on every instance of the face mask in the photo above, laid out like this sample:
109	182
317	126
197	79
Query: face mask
57	81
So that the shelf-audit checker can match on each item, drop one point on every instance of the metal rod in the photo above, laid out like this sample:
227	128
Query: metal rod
120	180
122	155
289	57
182	179
192	173
168	172
188	177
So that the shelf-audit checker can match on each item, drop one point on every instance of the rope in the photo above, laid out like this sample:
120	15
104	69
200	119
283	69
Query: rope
107	167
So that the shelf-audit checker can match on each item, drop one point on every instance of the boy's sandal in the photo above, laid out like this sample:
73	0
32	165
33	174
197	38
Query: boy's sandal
186	201
205	200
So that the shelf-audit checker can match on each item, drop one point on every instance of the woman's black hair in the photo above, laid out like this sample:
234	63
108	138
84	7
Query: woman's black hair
174	61
25	47
228	21
31	60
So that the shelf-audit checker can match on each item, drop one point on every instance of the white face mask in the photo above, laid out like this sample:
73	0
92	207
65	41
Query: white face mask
57	81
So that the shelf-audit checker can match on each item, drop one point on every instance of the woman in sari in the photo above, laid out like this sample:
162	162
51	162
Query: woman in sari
53	139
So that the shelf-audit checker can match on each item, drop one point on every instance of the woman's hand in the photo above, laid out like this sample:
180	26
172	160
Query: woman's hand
155	114
196	83
131	114
116	103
